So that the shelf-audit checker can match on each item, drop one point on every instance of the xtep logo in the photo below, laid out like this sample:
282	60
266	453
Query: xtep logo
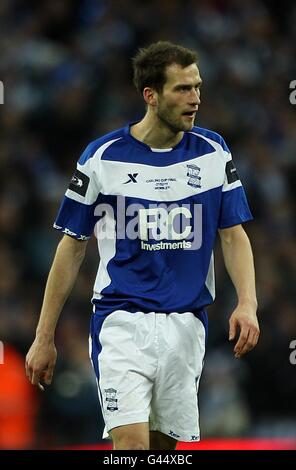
132	178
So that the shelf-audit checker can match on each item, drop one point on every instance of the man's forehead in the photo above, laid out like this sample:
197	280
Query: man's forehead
175	73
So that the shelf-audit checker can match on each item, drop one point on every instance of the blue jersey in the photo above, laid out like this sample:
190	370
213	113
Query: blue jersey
155	213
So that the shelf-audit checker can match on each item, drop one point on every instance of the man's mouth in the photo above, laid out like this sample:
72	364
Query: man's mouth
190	114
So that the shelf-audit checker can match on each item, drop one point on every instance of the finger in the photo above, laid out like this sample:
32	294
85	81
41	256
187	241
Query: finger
35	377
48	375
28	372
250	343
232	329
242	340
257	336
254	340
40	386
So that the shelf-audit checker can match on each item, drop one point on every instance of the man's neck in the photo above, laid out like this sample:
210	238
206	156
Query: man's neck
154	133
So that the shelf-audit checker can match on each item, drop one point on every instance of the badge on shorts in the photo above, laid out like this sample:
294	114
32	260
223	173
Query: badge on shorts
111	399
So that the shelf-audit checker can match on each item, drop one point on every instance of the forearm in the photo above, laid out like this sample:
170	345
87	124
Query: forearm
238	258
60	282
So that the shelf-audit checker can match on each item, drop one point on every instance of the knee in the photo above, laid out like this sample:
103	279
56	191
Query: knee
131	437
128	443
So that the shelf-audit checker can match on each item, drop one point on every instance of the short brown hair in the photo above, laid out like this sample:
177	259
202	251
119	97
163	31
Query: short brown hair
149	64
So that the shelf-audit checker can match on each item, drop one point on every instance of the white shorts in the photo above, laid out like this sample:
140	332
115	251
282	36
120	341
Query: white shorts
148	367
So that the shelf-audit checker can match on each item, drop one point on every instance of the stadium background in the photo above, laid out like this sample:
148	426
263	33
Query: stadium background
66	70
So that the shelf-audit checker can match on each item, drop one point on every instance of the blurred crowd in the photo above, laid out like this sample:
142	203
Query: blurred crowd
67	75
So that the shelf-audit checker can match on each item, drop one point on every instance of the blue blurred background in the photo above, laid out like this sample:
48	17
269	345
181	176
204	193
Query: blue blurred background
66	71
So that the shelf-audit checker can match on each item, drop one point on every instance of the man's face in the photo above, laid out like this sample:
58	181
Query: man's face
179	100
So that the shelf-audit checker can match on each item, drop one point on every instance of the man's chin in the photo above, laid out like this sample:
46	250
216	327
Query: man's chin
188	127
183	126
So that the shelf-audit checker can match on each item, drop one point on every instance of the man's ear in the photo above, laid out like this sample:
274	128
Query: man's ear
150	96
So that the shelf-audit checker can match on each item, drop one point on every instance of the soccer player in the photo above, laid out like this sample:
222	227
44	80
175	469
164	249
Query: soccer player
155	193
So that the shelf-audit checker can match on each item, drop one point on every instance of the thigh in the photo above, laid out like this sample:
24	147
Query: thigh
175	402
124	369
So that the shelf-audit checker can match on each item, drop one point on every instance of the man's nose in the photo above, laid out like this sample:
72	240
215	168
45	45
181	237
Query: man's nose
195	96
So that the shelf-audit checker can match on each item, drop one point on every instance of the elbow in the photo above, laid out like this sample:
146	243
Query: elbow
233	234
74	248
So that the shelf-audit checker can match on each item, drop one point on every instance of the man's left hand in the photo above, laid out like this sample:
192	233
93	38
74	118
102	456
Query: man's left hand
244	320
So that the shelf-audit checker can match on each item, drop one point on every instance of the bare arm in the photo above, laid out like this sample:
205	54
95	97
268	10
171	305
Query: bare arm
41	358
238	258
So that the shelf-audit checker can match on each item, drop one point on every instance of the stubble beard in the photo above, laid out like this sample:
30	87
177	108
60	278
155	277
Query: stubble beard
175	125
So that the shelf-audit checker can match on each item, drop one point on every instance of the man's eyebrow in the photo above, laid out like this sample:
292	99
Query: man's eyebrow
186	85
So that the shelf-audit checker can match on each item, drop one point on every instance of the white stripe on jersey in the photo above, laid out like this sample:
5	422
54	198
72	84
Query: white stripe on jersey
91	168
107	250
212	172
228	157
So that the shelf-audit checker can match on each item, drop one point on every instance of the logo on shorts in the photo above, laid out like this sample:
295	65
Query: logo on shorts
173	434
194	438
111	399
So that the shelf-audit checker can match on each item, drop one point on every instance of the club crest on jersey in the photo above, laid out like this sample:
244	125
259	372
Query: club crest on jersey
111	399
193	175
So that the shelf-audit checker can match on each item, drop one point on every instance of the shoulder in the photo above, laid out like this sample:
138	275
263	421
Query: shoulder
97	147
210	136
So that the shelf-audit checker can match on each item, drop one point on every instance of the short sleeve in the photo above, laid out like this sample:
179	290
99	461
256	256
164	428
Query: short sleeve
76	216
234	205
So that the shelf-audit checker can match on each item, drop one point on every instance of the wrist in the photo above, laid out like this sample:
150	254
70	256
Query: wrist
248	302
44	336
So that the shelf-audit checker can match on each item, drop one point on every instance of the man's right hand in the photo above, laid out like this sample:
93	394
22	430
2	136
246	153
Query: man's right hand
42	355
40	362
